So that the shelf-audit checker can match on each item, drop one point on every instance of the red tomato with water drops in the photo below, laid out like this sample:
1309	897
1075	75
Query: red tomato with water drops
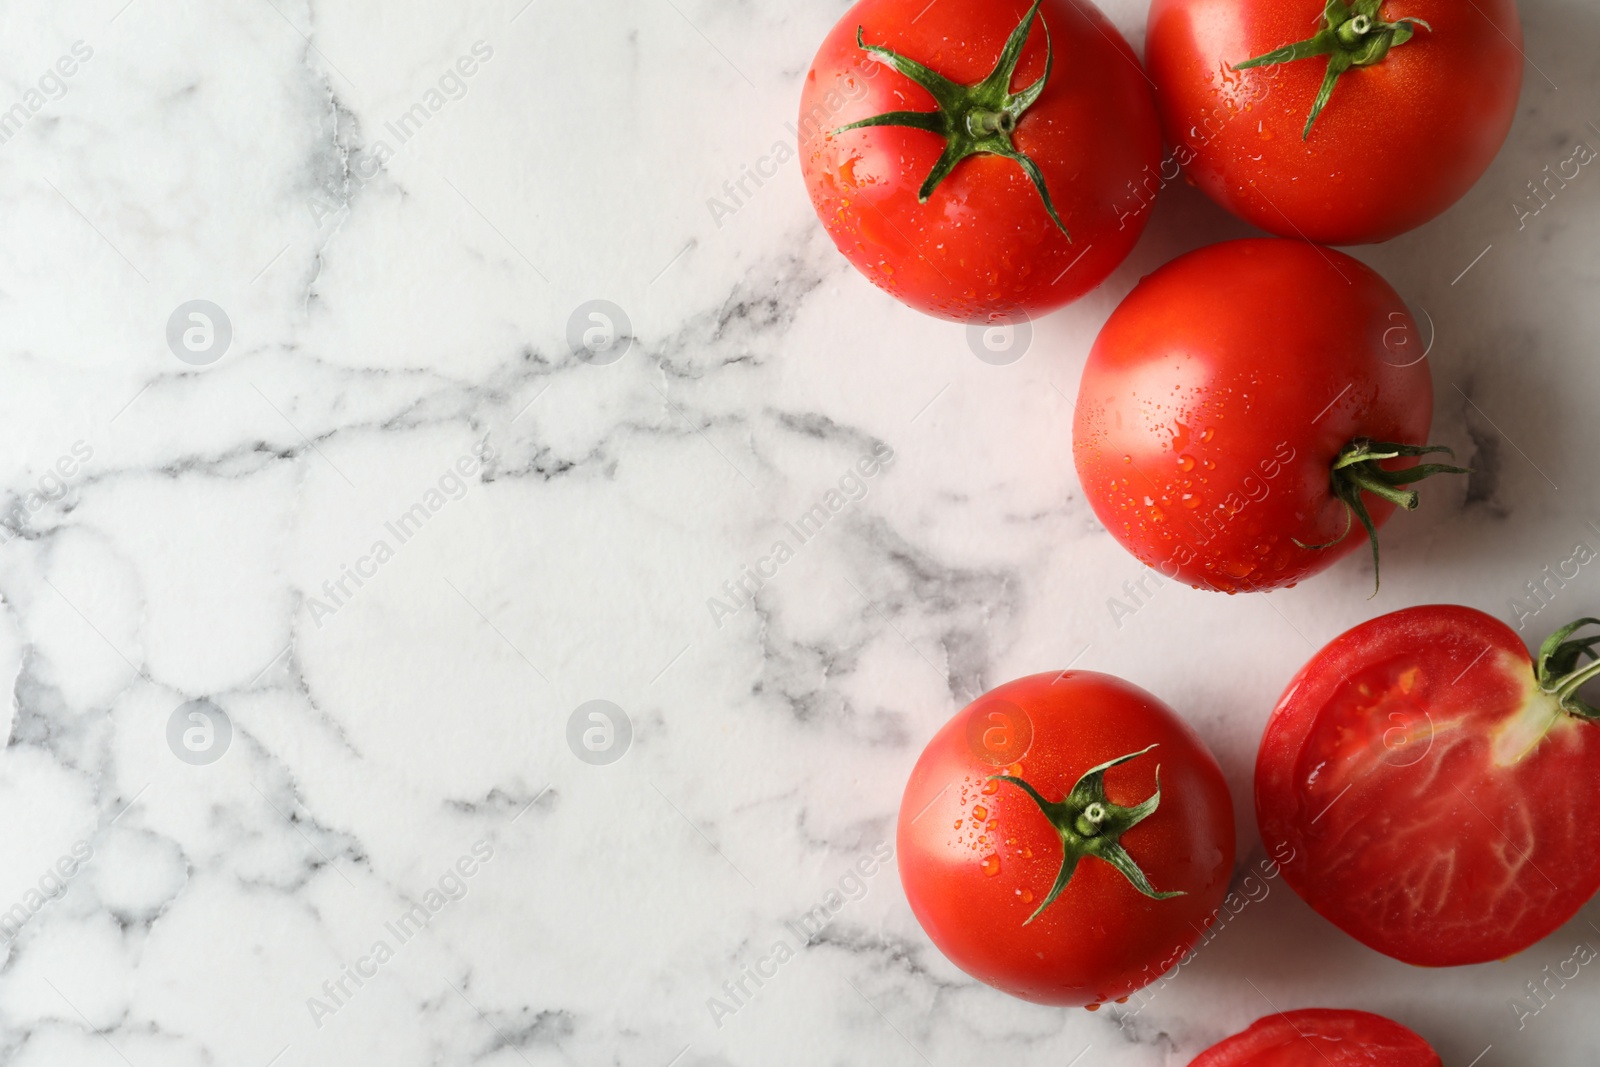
1252	412
1436	786
1321	1037
973	158
1336	122
1066	838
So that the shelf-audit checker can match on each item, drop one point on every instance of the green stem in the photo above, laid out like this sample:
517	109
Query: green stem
1354	31
1576	681
1358	469
1352	34
976	119
1559	674
1089	824
987	123
1364	480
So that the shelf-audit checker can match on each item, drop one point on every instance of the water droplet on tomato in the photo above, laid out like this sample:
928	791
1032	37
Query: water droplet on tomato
1186	462
991	786
980	813
991	864
1026	895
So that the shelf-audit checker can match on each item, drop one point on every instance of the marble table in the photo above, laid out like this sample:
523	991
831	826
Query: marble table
321	546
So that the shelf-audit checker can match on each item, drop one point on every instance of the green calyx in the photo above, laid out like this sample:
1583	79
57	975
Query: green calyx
1558	671
1090	825
972	119
1357	469
1352	35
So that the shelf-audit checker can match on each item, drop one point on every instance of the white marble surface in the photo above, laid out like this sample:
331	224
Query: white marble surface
397	303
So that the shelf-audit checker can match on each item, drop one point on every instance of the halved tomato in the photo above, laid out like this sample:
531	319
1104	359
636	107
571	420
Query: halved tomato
1434	787
1321	1037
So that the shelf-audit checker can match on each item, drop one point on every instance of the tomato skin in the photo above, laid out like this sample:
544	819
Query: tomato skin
1398	143
1444	816
1224	408
1321	1037
971	887
983	248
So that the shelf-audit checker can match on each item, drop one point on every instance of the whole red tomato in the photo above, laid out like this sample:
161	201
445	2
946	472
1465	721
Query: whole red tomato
1066	838
971	157
1321	1037
1436	787
1248	409
1348	122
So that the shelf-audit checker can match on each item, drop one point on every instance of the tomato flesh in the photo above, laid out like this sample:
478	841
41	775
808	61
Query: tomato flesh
1435	801
977	857
1321	1037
